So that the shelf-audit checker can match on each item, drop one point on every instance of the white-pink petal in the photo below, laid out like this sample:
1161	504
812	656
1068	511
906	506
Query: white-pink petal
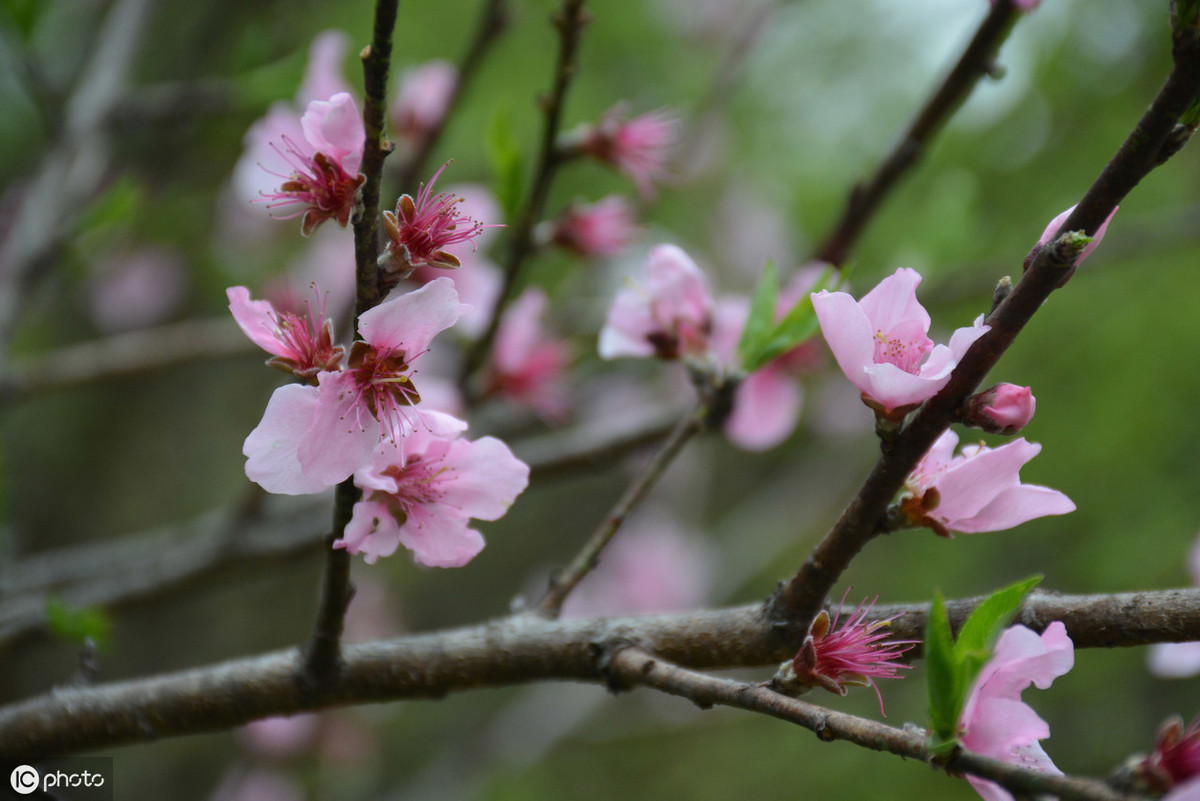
334	127
343	433
257	319
437	539
766	408
486	478
411	321
272	448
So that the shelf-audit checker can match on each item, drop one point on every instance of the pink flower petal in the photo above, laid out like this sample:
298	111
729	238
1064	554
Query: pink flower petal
410	322
439	539
766	408
488	478
1174	660
272	448
335	128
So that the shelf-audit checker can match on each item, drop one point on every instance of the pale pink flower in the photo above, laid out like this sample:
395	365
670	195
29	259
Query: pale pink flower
323	76
1178	660
280	737
424	499
670	317
995	721
1052	232
311	438
258	784
654	566
638	147
136	289
1188	791
1000	409
323	178
856	653
327	261
422	229
423	99
1176	756
301	346
595	229
977	490
882	343
528	364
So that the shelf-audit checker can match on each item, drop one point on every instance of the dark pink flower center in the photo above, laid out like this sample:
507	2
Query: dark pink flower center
317	183
383	383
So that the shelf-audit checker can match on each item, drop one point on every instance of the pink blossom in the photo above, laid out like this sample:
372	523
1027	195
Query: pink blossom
301	346
423	99
1052	232
280	737
258	784
311	438
323	75
528	365
1176	756
856	653
1178	660
638	147
424	499
323	177
422	229
670	317
995	722
654	566
977	490
882	343
596	229
327	261
1188	791
136	289
1000	409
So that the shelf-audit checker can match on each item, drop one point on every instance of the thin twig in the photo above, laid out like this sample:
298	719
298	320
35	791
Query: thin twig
569	22
492	21
795	602
514	650
632	666
976	61
563	582
322	657
565	453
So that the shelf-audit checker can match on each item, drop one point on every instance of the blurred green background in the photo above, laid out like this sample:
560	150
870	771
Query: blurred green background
822	91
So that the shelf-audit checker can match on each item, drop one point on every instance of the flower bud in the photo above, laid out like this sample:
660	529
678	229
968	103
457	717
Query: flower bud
1001	409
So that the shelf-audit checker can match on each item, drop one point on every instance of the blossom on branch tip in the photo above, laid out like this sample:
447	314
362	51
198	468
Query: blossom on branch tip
423	227
423	99
638	147
1052	232
855	653
1000	409
324	178
594	229
529	365
882	344
300	346
995	721
670	317
978	490
425	497
1176	756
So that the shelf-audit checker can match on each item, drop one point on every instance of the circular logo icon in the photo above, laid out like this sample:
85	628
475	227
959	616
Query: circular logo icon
24	779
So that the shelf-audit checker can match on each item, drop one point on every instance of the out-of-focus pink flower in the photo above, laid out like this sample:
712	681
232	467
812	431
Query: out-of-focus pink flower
1188	791
312	438
995	721
323	178
1052	232
670	317
422	229
978	490
1000	409
1176	756
323	76
1178	660
528	365
423	99
638	147
882	343
425	499
280	737
596	229
257	785
654	566
326	260
856	653
304	347
136	289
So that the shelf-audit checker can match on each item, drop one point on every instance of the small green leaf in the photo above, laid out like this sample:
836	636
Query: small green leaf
941	673
761	321
981	629
77	625
796	327
507	162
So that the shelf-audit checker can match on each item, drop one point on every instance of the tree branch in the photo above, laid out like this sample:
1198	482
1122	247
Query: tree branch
976	61
512	650
797	601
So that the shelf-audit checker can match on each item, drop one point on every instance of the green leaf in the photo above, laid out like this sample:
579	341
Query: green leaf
796	327
941	674
761	321
993	614
23	15
77	625
507	162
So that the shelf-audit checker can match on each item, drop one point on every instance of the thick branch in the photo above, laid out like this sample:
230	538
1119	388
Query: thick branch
632	666
513	650
976	61
800	598
569	22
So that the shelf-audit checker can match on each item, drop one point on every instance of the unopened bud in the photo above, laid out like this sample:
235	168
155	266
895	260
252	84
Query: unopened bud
1001	409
